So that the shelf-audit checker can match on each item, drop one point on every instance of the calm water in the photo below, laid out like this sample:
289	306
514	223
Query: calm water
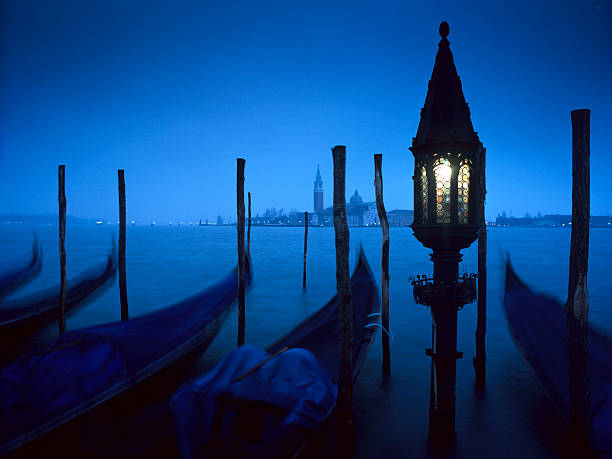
512	418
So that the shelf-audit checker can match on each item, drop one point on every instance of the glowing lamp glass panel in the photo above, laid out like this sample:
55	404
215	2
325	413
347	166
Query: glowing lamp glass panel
424	195
442	173
463	188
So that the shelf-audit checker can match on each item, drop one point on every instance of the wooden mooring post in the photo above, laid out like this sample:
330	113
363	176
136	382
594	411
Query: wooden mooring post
249	229
346	440
61	196
577	308
241	258
481	320
121	254
382	216
305	247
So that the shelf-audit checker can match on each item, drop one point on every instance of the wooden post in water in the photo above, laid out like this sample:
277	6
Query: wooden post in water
345	310
61	196
249	229
382	216
481	321
577	308
241	258
305	247
121	254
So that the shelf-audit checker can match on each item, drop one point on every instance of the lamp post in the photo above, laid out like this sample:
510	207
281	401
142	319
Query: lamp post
447	194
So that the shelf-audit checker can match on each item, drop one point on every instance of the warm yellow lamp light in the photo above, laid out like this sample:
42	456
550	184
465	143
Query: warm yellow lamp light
442	173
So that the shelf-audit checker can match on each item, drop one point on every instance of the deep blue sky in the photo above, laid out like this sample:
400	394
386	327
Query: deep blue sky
174	91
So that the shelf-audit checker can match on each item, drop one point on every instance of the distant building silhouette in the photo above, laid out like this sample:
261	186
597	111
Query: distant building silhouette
318	192
356	199
400	217
550	220
219	220
358	212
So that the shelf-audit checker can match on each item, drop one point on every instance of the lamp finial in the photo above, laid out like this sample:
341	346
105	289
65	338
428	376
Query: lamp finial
444	29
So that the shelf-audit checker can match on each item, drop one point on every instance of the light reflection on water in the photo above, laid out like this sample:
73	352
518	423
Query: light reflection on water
513	417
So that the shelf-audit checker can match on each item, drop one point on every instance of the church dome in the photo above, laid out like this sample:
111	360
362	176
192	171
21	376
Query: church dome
356	199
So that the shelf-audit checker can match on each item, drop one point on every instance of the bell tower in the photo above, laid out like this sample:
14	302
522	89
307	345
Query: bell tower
318	192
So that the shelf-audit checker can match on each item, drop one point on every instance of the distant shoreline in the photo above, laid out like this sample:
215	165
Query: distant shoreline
92	224
52	220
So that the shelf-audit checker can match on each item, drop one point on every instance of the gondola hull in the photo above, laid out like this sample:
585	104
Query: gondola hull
137	363
275	409
134	423
21	318
11	281
538	326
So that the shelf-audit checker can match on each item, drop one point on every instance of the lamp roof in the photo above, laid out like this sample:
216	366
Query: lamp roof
445	117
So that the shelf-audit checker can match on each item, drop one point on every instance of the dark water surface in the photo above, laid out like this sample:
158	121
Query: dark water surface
512	418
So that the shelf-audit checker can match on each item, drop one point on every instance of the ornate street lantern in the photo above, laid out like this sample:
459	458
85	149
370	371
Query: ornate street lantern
448	166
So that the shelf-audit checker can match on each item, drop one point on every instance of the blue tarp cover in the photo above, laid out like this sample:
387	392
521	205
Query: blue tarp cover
99	362
294	380
46	385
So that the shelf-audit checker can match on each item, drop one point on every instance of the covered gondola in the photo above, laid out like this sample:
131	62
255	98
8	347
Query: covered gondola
93	377
22	317
271	403
538	326
12	280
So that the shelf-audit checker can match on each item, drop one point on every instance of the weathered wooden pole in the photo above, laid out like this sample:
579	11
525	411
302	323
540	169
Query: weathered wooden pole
577	308
345	310
61	195
382	216
241	258
305	247
121	254
481	321
249	229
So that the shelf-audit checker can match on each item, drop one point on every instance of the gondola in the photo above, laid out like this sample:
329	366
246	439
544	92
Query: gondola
22	317
90	378
11	281
272	403
538	326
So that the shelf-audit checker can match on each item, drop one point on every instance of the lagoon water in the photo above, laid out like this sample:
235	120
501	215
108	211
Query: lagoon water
513	418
